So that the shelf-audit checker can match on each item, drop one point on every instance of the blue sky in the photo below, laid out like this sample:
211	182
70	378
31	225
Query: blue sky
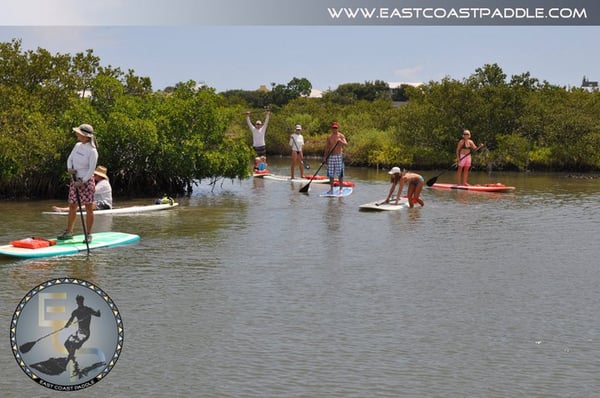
245	57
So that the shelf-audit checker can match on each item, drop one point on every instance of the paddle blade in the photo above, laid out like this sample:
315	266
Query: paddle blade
431	181
304	189
25	348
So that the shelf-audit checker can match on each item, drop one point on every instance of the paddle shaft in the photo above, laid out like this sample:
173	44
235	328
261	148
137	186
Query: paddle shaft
85	234
305	188
432	180
25	348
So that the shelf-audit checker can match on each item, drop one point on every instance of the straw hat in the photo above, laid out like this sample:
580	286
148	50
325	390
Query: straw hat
101	172
85	129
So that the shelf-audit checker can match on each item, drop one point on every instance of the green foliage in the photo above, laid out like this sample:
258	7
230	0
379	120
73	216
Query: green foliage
151	143
349	93
279	95
168	141
371	147
512	150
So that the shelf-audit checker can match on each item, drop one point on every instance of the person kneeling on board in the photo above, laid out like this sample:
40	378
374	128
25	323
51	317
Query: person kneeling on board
415	186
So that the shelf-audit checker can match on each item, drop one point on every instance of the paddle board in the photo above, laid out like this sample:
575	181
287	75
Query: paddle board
381	206
71	246
336	192
305	180
278	177
122	210
478	188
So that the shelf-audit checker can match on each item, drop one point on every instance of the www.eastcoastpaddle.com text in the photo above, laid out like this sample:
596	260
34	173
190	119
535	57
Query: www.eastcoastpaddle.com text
477	13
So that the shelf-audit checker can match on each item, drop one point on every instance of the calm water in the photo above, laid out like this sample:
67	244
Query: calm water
256	290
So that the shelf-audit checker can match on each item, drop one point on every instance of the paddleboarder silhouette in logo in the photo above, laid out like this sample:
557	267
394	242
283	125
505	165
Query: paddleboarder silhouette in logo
56	366
76	340
82	334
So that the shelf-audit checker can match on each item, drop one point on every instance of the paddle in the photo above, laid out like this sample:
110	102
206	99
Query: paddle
25	348
304	189
391	199
306	165
87	244
432	180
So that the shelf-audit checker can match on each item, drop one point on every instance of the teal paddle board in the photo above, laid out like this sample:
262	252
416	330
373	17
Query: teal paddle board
71	246
337	193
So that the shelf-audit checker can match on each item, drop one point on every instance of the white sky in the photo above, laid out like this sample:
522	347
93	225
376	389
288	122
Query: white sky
245	57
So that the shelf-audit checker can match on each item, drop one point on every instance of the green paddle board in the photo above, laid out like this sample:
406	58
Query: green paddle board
71	246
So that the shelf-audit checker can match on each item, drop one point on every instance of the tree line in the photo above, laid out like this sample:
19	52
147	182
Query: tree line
166	141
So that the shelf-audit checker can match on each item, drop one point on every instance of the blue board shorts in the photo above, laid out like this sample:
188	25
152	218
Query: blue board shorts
335	166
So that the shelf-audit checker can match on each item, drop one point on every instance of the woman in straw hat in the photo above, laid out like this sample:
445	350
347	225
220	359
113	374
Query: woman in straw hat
103	193
81	164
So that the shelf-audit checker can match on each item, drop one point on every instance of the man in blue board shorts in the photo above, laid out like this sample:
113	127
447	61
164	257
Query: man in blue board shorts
334	156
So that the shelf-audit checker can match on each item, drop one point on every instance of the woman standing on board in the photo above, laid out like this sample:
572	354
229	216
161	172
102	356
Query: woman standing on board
463	157
296	143
81	164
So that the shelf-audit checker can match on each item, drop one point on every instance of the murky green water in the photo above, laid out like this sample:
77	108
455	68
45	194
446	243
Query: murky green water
256	290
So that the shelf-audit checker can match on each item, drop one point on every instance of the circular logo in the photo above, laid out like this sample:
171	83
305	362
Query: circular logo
66	334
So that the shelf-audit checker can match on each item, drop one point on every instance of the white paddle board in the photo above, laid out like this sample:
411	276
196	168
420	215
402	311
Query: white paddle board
122	210
380	205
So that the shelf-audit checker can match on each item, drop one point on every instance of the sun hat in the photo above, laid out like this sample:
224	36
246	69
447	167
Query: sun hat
101	172
395	170
298	127
85	129
258	122
334	125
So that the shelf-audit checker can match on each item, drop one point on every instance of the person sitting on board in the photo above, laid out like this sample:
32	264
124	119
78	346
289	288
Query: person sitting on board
81	164
463	157
296	143
258	133
415	184
102	193
334	147
260	164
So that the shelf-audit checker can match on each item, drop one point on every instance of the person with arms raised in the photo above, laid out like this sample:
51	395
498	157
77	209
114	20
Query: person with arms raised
258	130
